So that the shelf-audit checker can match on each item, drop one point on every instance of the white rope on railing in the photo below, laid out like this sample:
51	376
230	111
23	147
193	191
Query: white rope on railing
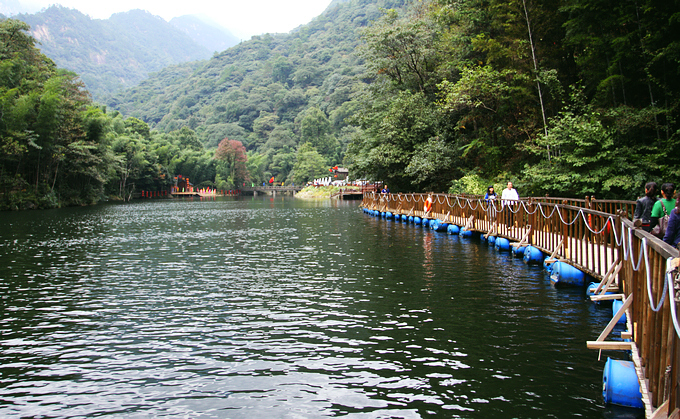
527	209
559	213
629	252
587	223
440	202
649	282
617	239
554	208
671	298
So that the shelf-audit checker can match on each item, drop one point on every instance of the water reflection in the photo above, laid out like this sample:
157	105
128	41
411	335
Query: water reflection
273	306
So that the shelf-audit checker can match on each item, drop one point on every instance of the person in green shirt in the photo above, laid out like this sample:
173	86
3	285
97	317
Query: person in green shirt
667	191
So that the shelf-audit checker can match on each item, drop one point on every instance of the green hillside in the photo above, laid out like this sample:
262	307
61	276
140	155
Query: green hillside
272	93
113	54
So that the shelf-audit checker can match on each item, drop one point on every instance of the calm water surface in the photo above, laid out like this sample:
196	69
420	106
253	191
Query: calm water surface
281	308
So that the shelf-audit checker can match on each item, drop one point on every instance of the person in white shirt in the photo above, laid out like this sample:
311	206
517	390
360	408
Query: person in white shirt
509	197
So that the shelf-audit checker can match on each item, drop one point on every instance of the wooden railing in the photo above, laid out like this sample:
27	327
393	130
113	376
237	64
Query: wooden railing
598	237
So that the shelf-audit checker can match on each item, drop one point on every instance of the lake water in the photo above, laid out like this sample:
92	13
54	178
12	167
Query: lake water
282	308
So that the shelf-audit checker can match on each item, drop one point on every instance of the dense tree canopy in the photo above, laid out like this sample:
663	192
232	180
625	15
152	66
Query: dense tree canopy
568	98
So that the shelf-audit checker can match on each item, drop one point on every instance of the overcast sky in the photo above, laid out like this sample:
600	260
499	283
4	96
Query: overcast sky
244	18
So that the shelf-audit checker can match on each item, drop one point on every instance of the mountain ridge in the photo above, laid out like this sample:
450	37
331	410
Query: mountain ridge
112	54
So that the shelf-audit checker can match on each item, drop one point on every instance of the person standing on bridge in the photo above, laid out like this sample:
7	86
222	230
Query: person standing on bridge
509	197
644	205
385	189
663	206
490	199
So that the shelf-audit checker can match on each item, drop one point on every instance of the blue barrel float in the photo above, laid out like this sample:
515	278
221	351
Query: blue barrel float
439	225
425	222
388	215
620	384
416	220
453	229
411	220
533	255
404	218
518	250
565	274
616	305
592	287
502	243
464	232
549	266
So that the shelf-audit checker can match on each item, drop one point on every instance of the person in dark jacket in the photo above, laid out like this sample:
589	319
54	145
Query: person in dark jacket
644	205
672	235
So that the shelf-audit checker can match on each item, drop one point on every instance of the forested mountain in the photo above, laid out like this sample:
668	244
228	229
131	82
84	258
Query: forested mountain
205	32
113	54
273	93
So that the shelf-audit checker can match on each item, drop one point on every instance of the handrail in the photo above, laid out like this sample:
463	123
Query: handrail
592	235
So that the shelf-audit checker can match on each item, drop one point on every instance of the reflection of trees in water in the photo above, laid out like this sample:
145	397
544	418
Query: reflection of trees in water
428	263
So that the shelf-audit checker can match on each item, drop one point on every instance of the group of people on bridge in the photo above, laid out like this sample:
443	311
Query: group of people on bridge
659	216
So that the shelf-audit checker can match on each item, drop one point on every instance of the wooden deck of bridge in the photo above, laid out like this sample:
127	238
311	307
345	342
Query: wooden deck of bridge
599	238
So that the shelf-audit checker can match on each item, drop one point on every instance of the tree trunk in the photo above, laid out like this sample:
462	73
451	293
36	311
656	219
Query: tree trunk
538	83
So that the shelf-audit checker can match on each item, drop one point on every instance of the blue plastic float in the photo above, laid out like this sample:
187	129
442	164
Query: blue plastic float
616	305
425	222
388	215
411	220
549	266
592	287
416	220
565	274
453	229
502	244
620	384
439	225
492	240
533	255
464	232
519	250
